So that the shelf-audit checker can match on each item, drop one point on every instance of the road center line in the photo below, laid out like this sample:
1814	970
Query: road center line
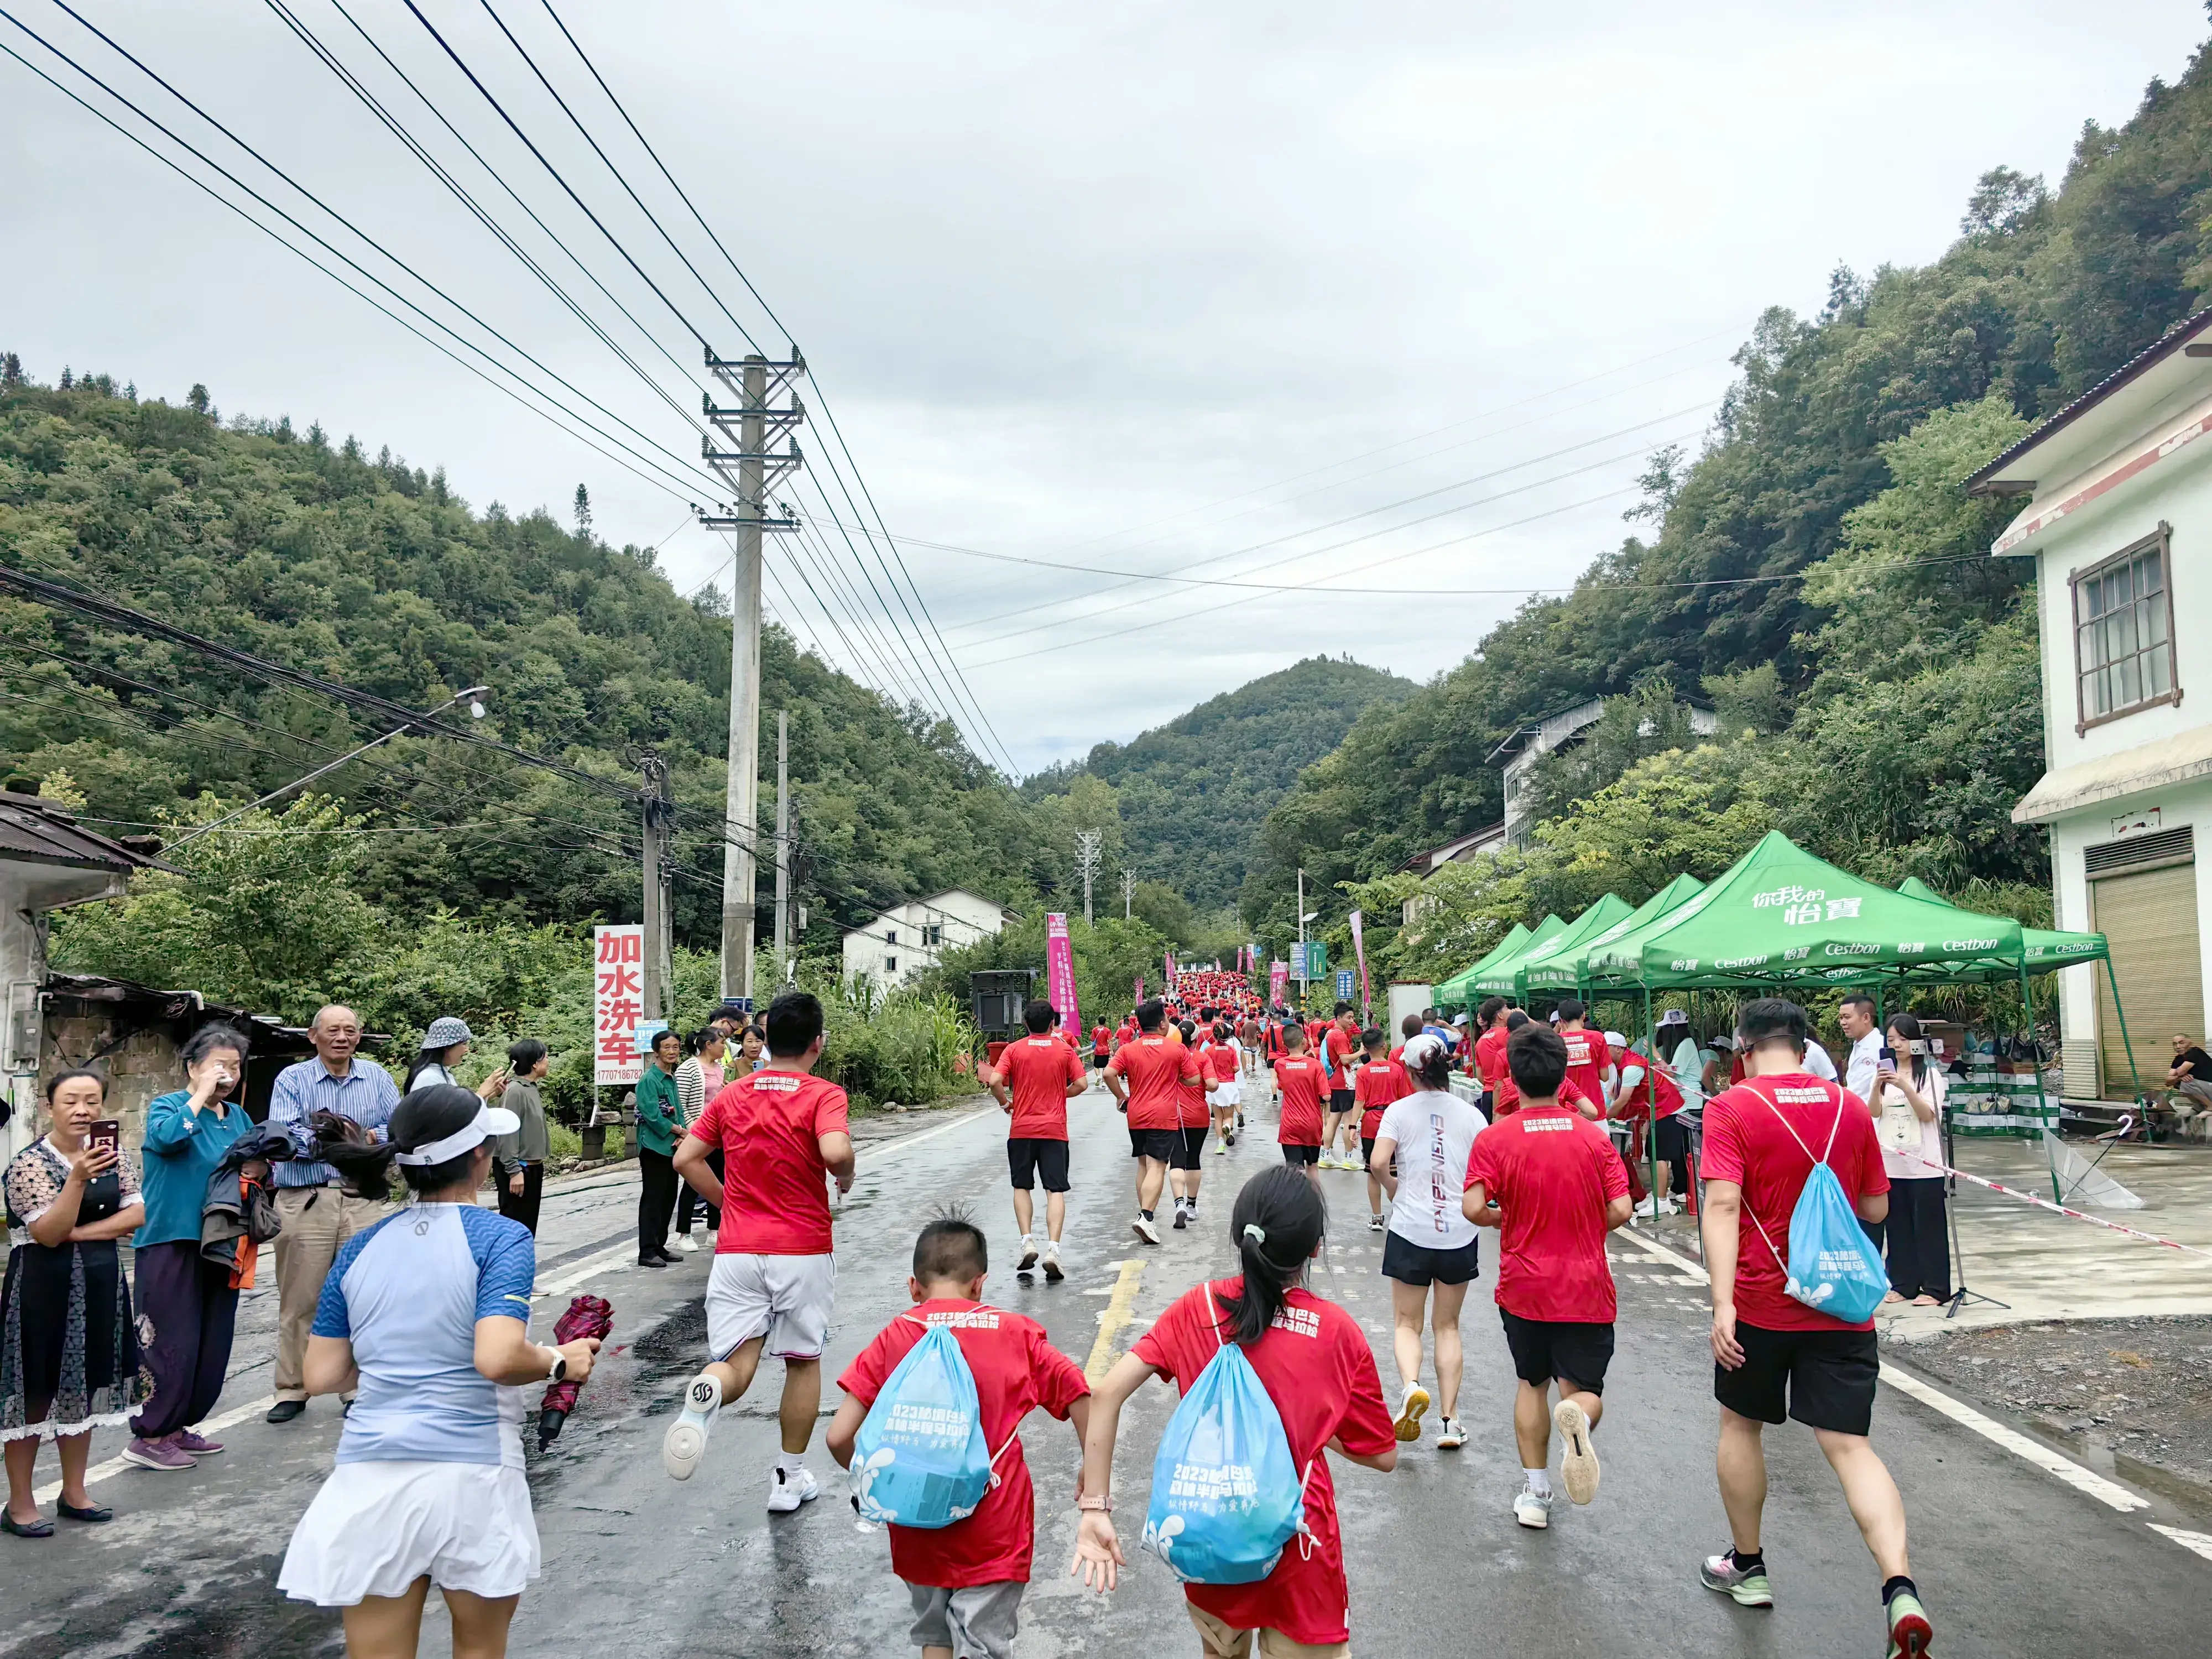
1115	1317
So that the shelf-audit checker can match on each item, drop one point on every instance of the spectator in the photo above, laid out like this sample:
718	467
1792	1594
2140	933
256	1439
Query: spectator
752	1051
445	1046
698	1080
518	1165
2188	1079
660	1121
1856	1017
317	1215
1909	1121
68	1348
189	1301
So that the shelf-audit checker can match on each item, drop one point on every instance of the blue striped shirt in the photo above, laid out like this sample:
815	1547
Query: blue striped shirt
366	1094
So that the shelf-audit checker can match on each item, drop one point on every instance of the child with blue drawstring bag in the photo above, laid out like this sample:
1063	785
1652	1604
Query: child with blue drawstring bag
929	1434
1241	1507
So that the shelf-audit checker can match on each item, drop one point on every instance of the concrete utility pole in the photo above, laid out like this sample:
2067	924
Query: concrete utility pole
1302	937
752	468
783	841
658	815
1087	845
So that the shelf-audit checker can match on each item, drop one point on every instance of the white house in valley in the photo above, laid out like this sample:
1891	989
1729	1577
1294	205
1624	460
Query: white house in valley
2118	520
901	942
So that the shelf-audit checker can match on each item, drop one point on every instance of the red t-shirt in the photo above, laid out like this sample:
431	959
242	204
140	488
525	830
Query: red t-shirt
1100	1037
1490	1069
1299	1076
1341	1047
1157	1070
1317	1366
1036	1071
775	1200
1587	1059
1017	1370
1748	1143
1506	1098
1637	1103
1222	1062
1551	1172
1375	1085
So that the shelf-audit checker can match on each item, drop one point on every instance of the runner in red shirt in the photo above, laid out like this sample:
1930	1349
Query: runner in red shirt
1770	1352
1317	1366
1192	1121
1490	1068
1101	1045
1649	1097
1589	1058
1550	1181
973	1572
1147	1077
1036	1078
1298	1128
1339	1050
1223	1063
783	1135
1377	1082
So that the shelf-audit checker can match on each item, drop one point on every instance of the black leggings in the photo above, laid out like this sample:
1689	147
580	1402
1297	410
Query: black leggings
656	1201
1919	1247
689	1202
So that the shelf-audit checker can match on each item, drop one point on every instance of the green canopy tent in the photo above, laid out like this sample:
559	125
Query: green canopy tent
1458	991
1499	975
1563	970
1603	917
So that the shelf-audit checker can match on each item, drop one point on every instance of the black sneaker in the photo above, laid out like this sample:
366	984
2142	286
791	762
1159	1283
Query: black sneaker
652	1261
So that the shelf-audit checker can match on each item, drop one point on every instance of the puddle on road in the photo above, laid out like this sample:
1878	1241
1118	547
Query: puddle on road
237	1616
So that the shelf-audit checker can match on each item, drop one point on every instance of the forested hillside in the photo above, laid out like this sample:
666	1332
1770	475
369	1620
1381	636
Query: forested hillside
1193	793
1814	572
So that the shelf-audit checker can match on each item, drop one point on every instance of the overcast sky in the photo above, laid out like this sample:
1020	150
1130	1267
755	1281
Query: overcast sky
1163	290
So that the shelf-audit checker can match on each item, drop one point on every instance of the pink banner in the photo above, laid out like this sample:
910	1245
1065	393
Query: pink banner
1359	952
1060	972
1279	983
1140	988
1172	972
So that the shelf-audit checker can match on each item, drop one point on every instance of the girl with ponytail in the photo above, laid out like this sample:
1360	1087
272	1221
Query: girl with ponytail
1314	1361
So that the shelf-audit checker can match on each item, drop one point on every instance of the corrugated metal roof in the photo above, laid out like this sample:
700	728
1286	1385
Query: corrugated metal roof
38	832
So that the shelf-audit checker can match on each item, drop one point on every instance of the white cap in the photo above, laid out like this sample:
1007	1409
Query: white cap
489	1120
1419	1050
1616	1039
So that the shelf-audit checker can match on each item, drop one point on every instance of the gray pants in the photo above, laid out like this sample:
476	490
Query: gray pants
976	1623
2198	1097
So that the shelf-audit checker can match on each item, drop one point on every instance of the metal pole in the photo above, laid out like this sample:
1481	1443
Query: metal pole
1129	892
2035	1052
2127	1043
652	985
1302	940
742	806
782	840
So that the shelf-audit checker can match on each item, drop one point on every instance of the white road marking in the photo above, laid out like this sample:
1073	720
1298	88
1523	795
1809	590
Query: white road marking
116	1466
2199	1542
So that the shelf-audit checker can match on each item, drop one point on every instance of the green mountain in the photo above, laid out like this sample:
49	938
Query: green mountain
1193	793
1816	573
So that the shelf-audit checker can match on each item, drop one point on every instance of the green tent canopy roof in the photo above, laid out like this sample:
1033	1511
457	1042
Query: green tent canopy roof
1495	973
1556	965
2049	949
1781	917
1565	969
1459	987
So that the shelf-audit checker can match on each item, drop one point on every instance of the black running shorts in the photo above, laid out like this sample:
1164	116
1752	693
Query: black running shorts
1295	1155
1032	1161
1190	1147
1567	1351
1417	1264
1828	1377
1342	1100
1163	1144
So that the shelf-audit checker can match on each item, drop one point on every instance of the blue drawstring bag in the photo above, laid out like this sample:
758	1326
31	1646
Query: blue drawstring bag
1833	1267
1227	1496
921	1459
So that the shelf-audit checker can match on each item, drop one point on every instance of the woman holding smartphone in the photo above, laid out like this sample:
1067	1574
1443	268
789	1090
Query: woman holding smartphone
189	1301
69	1351
1908	1111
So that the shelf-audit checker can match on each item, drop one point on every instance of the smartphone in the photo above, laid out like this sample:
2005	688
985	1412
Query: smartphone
107	1132
1886	1056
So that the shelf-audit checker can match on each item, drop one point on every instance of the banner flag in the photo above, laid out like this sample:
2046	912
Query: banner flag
1279	983
1359	953
1060	972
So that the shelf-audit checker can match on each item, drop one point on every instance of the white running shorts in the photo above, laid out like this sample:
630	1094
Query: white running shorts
1226	1096
376	1526
789	1298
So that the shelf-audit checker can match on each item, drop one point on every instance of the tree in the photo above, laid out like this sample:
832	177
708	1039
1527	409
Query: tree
583	513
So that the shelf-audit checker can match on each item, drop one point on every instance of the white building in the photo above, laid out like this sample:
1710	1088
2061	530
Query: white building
2119	522
908	938
1530	743
1458	850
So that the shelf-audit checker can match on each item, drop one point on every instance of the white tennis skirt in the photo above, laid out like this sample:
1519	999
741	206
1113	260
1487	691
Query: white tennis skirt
1226	1094
375	1528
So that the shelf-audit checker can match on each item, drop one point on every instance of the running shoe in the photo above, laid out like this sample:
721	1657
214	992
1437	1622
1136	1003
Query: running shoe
1221	1147
1450	1436
1051	1262
1533	1509
685	1442
197	1445
788	1488
1374	1224
1183	1216
1409	1412
1029	1254
1909	1631
685	1243
1146	1228
1745	1587
1647	1208
164	1455
1578	1467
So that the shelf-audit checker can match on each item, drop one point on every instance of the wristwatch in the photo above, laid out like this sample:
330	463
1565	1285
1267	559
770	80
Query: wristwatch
1104	1504
559	1371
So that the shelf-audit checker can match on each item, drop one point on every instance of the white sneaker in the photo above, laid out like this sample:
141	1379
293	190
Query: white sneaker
1578	1468
1145	1229
685	1243
1375	1224
788	1488
1051	1262
1647	1208
1450	1436
1409	1413
1533	1509
685	1442
1029	1254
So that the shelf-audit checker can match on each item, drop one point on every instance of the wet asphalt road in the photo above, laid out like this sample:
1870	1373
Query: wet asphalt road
2009	1559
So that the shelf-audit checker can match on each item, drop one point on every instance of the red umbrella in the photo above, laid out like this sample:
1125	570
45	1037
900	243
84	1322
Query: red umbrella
587	1315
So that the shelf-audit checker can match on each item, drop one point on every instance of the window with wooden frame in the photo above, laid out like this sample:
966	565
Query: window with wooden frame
2123	632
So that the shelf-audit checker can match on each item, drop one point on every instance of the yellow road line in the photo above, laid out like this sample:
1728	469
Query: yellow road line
1116	1315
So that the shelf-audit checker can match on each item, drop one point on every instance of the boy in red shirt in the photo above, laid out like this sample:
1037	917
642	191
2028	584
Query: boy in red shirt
1490	1050
1298	1130
1340	1053
1376	1083
966	1580
1588	1057
1102	1043
1034	1080
1147	1078
1762	1138
1550	1180
782	1134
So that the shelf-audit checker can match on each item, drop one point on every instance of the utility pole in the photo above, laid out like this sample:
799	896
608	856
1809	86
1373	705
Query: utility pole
783	841
658	815
1129	892
1302	938
1087	845
751	468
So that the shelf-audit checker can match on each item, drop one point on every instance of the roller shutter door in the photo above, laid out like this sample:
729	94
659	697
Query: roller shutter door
2150	918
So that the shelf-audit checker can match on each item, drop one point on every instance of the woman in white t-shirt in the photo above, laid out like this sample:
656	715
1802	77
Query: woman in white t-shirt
1908	1120
1431	1250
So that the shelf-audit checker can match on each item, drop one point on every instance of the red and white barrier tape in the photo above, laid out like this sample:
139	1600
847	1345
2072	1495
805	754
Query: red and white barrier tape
2061	1209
